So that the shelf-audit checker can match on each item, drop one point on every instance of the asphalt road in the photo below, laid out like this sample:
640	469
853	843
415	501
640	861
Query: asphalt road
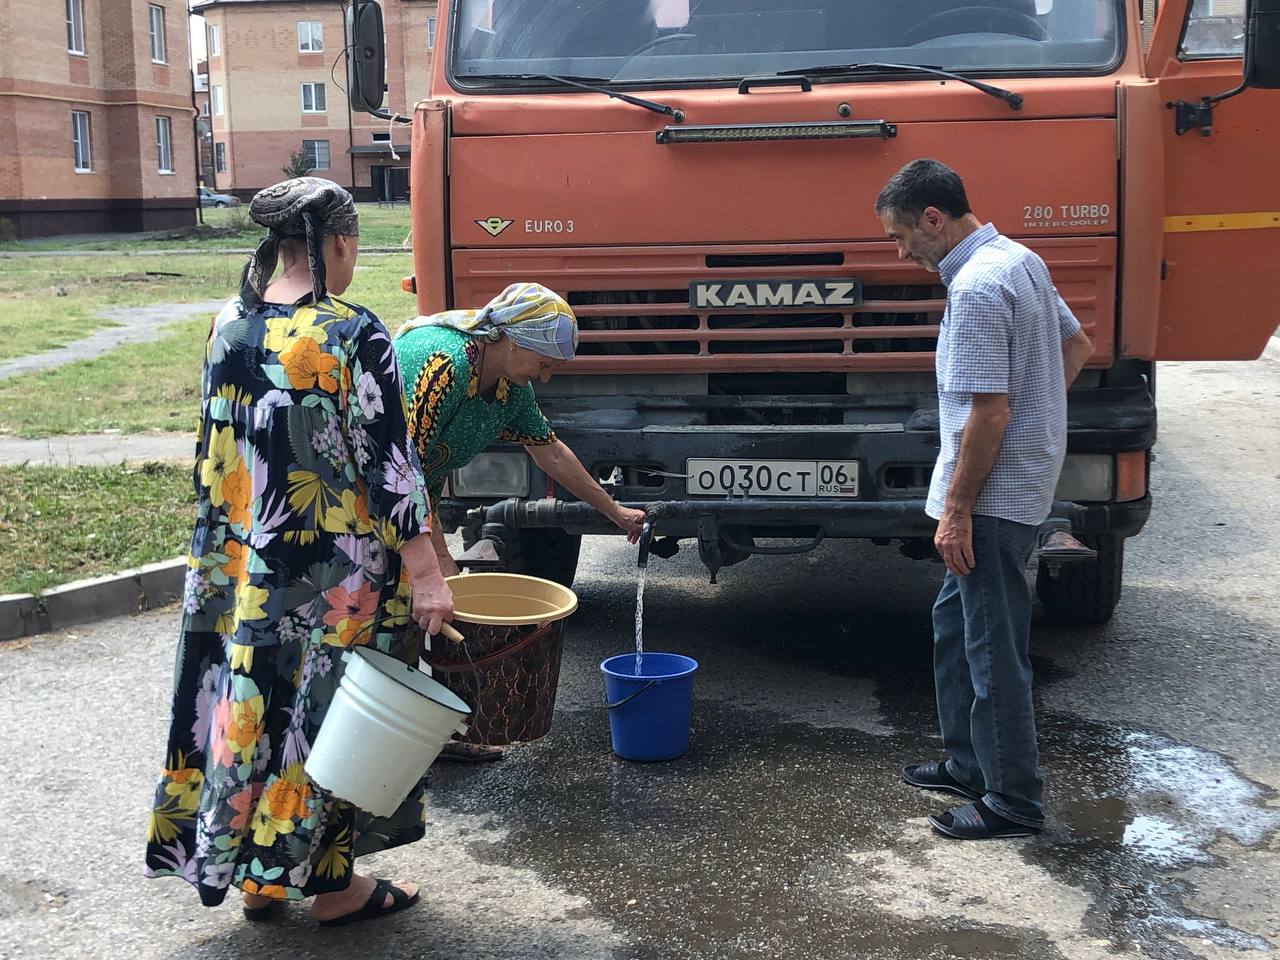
784	832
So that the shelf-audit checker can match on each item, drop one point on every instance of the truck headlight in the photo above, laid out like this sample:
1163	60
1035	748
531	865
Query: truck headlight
493	475
1087	477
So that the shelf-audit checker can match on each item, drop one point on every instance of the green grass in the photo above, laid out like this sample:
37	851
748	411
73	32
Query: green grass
63	524
156	386
223	229
48	302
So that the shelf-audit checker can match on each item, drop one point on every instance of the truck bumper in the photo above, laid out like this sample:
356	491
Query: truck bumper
892	437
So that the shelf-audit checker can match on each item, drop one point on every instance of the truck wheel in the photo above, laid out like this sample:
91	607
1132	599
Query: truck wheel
1085	591
546	553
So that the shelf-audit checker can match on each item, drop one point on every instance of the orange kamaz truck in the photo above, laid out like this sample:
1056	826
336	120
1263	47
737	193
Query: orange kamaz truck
697	178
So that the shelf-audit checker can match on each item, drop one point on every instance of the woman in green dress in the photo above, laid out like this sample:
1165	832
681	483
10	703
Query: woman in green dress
467	376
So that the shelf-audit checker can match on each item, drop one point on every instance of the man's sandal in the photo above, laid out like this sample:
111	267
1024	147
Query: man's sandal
933	775
977	821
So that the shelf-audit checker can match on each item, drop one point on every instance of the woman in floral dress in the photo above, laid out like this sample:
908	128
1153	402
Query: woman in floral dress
312	536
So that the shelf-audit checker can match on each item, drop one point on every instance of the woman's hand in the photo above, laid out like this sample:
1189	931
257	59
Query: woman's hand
432	598
432	603
630	521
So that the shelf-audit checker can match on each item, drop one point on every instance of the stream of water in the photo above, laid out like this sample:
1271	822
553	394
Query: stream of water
640	620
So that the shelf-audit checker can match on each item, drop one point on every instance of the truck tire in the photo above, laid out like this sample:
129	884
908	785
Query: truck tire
547	553
1085	591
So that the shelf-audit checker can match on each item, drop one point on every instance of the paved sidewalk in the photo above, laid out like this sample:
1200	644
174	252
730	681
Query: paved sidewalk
134	325
98	449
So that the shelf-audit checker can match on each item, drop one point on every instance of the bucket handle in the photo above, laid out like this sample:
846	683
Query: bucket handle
489	659
629	697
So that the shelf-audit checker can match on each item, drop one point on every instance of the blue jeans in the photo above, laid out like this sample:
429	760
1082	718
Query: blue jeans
982	670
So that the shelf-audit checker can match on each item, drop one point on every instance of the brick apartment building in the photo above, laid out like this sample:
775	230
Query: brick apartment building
95	116
276	86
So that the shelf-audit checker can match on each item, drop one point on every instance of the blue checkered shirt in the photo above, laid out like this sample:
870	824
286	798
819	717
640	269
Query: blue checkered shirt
1002	332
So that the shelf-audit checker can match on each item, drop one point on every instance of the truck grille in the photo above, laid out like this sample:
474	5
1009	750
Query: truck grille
636	319
901	319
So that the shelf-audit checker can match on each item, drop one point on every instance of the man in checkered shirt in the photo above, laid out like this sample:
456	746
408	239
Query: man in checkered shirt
1007	350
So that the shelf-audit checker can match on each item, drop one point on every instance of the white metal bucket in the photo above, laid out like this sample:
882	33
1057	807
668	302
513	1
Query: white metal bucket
385	726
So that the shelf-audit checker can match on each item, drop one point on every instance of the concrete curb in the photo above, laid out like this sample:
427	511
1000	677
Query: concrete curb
83	601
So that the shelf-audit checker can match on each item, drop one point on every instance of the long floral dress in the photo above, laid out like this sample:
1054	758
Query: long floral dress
307	488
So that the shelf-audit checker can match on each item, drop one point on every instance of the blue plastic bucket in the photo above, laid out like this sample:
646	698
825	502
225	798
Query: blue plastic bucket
649	713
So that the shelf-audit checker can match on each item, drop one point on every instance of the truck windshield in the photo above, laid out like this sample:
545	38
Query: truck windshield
673	41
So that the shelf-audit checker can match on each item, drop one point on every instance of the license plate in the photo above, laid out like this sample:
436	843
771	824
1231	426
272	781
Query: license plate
772	478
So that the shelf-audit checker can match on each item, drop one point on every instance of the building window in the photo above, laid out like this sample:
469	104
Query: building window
220	157
75	26
431	33
164	144
381	138
204	108
157	34
215	40
310	36
215	95
81	145
317	153
313	98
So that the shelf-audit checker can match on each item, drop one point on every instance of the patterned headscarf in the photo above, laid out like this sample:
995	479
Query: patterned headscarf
531	315
307	207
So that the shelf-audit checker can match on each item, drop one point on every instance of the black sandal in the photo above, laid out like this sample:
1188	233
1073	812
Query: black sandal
977	821
373	907
934	775
258	914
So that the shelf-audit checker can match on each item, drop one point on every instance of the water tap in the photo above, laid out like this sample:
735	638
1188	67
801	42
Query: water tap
646	541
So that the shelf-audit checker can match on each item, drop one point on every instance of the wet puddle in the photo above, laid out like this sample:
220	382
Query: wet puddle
785	840
1144	810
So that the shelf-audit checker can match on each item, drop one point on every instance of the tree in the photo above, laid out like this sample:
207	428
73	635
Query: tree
299	165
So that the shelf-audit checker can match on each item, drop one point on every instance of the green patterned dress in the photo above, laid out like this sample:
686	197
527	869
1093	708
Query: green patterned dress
449	421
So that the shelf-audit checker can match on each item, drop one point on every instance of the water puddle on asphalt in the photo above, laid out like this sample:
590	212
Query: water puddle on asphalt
781	841
792	841
1145	809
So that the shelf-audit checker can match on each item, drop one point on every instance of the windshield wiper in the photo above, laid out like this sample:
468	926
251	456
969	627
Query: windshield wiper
588	83
836	69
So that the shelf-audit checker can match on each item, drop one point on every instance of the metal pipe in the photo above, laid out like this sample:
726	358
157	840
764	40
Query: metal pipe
897	518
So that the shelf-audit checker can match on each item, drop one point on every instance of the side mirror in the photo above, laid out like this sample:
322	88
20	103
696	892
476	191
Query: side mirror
1262	45
366	56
